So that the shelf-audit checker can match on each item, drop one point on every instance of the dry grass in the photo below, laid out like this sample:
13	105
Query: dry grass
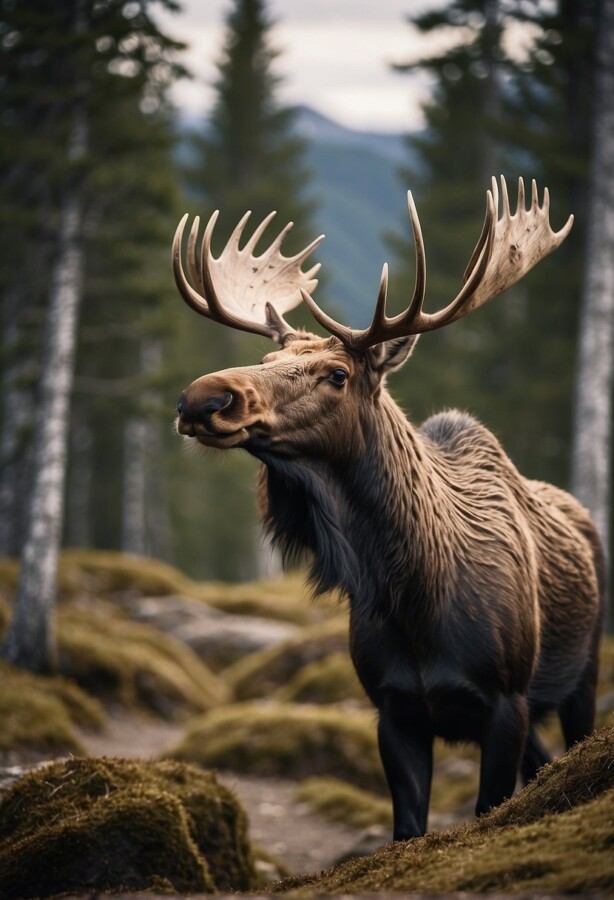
555	836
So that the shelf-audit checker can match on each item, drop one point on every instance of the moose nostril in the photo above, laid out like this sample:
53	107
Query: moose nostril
215	404
181	405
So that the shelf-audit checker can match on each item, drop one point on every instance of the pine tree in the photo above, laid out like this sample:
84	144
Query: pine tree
511	362
458	153
82	57
247	158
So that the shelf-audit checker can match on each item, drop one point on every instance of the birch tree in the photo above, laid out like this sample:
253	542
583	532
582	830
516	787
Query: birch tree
98	52
592	442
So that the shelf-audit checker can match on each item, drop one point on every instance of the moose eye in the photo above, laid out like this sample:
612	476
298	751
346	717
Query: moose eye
339	376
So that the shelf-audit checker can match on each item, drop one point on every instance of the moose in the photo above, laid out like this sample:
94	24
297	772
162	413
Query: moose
475	594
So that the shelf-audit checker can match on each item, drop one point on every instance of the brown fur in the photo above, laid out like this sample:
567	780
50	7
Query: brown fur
475	595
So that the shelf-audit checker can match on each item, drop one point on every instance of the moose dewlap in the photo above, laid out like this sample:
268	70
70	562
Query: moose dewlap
475	595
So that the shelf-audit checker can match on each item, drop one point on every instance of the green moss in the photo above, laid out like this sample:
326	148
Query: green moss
39	713
260	674
104	573
134	664
329	680
289	740
342	802
117	825
555	836
286	599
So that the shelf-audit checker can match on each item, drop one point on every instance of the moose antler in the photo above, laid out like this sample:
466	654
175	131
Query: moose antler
507	248
256	290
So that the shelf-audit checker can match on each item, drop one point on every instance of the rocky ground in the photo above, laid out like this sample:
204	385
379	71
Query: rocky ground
302	840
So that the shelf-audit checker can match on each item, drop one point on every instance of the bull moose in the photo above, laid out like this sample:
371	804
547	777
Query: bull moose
475	595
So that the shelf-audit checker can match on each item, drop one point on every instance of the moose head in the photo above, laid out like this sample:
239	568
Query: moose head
308	396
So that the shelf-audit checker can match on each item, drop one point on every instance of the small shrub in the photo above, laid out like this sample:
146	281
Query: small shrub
116	825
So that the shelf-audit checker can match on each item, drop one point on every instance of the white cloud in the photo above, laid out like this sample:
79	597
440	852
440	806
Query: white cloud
335	57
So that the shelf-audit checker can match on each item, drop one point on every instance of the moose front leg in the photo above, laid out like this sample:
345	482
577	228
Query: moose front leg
406	750
503	740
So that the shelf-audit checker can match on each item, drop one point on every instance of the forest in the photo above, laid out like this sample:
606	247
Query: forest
172	702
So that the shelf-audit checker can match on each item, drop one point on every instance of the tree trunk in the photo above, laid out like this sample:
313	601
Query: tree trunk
134	488
592	444
17	419
78	530
30	641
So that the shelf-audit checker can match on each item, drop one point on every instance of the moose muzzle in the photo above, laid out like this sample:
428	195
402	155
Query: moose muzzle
217	411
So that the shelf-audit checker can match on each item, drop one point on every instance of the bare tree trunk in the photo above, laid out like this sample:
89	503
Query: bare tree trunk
145	522
133	537
17	418
592	444
29	640
78	531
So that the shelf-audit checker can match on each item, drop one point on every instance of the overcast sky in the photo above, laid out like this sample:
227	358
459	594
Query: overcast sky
335	57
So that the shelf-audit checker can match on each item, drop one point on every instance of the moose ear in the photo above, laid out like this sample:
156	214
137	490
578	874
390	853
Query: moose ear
391	355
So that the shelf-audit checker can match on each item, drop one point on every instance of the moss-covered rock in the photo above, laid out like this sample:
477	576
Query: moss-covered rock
286	598
107	573
342	802
116	825
555	836
39	713
134	664
260	674
329	680
293	741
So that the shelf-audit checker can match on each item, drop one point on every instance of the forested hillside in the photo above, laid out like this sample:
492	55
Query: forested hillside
129	484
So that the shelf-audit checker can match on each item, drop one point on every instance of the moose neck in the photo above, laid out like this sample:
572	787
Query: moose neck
375	525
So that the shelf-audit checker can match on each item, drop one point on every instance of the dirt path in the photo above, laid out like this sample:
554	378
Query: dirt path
302	840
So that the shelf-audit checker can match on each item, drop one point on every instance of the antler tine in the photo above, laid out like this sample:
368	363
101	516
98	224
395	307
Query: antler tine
251	244
192	254
237	288
206	257
303	254
382	328
190	296
508	247
415	307
235	238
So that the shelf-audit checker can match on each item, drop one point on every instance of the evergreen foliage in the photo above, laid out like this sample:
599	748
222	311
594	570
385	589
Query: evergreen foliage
246	158
512	362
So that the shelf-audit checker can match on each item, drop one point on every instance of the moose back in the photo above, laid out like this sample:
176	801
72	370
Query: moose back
475	594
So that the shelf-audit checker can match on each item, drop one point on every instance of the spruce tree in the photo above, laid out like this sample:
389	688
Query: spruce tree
511	363
83	58
247	158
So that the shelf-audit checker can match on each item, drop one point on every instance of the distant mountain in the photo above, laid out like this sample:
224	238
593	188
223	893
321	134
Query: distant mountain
313	126
360	198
